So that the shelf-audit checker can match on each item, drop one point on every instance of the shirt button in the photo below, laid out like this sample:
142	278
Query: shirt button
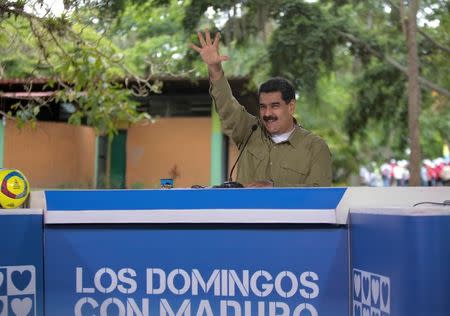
270	163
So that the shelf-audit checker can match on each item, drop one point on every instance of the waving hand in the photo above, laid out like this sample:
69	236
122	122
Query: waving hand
209	52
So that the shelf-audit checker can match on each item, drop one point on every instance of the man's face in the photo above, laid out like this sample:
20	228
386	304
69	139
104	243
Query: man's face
275	113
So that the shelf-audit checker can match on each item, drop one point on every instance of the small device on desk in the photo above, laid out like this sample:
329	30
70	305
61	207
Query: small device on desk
229	184
225	185
166	183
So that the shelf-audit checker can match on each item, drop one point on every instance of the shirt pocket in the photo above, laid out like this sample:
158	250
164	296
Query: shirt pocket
292	174
254	159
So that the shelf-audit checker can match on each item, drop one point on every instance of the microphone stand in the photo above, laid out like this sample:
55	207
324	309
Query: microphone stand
230	183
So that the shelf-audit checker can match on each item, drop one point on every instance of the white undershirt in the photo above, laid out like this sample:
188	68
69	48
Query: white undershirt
282	137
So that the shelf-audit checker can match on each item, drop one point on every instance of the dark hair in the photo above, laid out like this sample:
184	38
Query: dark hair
278	84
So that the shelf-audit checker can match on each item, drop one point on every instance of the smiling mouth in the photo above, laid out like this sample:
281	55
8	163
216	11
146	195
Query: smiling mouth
270	119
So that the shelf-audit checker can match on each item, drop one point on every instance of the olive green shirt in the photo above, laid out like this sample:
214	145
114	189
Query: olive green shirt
303	160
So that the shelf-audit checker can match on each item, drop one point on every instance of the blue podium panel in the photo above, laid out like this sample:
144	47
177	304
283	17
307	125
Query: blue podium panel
21	267
196	269
306	205
400	262
206	199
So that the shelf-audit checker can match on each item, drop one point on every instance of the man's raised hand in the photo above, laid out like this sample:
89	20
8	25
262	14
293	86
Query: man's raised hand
209	51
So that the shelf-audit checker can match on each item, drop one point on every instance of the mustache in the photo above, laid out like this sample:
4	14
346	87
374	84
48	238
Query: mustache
270	117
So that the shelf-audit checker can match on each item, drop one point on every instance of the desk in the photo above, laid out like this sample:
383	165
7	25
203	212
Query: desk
327	251
196	252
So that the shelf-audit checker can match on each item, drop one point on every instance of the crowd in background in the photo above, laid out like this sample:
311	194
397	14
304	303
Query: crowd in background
396	173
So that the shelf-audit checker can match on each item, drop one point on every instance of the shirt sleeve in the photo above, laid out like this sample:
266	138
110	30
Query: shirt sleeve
236	121
320	173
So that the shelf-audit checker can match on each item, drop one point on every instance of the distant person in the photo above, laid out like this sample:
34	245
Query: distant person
375	176
276	151
423	175
445	175
364	176
386	170
431	172
392	163
439	165
406	173
398	174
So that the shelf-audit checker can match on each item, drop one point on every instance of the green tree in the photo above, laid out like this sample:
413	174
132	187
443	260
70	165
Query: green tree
84	67
307	39
347	59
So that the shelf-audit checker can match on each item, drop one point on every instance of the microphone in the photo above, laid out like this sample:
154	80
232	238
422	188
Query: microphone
230	178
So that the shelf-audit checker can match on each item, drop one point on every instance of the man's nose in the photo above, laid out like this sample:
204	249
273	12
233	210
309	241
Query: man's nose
267	111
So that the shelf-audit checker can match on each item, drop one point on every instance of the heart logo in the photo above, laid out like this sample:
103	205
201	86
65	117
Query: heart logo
2	277
357	284
21	279
385	292
375	290
21	307
366	311
366	287
357	310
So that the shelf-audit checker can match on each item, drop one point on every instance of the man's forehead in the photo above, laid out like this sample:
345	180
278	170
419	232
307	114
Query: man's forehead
270	97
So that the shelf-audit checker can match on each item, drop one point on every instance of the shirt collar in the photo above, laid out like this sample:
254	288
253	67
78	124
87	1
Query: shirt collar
295	135
281	138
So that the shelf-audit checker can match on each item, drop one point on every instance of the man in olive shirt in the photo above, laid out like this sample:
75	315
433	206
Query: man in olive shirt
276	151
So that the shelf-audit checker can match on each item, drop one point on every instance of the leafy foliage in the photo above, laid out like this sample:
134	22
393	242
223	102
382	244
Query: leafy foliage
83	66
381	97
344	57
308	52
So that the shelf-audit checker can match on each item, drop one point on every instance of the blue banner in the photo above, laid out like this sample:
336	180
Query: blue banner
400	264
274	198
196	270
21	268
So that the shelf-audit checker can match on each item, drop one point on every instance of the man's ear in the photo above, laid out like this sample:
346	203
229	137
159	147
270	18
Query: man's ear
291	106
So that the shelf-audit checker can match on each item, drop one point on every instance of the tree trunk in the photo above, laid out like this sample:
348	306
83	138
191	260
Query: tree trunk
413	93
